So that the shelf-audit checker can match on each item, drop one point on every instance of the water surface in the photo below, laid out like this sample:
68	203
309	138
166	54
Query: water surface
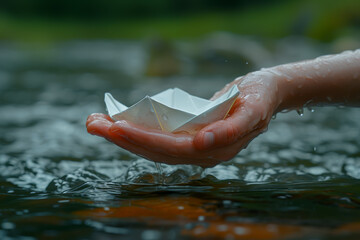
299	180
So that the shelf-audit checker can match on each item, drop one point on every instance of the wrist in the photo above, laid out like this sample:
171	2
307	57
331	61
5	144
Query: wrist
263	85
287	91
298	85
280	88
326	80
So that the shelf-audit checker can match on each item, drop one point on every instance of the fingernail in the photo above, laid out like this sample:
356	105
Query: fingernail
209	139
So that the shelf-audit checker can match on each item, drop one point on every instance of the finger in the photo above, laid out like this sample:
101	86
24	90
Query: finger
160	144
225	132
179	146
208	159
97	116
156	156
155	140
232	150
204	159
98	124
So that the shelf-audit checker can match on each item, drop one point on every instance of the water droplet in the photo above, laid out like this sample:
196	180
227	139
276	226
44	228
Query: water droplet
273	117
283	74
315	149
247	63
161	178
152	110
106	208
201	218
11	191
300	111
164	117
181	207
310	109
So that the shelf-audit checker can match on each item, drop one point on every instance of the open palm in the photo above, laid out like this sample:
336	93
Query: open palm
215	143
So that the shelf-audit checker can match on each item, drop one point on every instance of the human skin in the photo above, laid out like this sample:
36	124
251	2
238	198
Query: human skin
327	80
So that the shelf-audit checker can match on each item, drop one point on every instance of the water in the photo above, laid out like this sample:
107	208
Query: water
300	111
298	180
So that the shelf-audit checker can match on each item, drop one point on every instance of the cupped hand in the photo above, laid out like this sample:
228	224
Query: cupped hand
215	143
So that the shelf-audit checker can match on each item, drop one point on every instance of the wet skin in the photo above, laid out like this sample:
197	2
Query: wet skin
332	79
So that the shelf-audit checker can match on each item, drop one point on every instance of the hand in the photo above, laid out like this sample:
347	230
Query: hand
215	143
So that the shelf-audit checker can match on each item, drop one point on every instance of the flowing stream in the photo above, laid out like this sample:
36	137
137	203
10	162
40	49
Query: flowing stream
301	178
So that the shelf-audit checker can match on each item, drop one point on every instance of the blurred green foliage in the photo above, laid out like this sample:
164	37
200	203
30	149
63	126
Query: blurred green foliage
115	9
47	21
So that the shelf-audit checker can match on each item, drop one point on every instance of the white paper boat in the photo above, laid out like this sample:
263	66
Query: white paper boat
173	110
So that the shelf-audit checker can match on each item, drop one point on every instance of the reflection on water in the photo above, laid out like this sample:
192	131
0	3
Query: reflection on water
300	179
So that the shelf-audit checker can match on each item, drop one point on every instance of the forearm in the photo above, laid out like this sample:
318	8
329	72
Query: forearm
327	80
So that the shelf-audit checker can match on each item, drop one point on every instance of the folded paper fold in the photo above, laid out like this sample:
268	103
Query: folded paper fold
173	110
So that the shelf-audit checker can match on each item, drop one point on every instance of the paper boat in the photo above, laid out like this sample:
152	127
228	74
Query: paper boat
173	110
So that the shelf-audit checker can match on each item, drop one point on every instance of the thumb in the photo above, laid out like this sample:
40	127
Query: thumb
227	131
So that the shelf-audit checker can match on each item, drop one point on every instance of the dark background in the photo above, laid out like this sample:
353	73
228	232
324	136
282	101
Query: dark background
48	21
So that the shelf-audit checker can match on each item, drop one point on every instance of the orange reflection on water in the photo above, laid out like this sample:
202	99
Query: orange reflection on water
169	208
349	227
260	231
202	214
